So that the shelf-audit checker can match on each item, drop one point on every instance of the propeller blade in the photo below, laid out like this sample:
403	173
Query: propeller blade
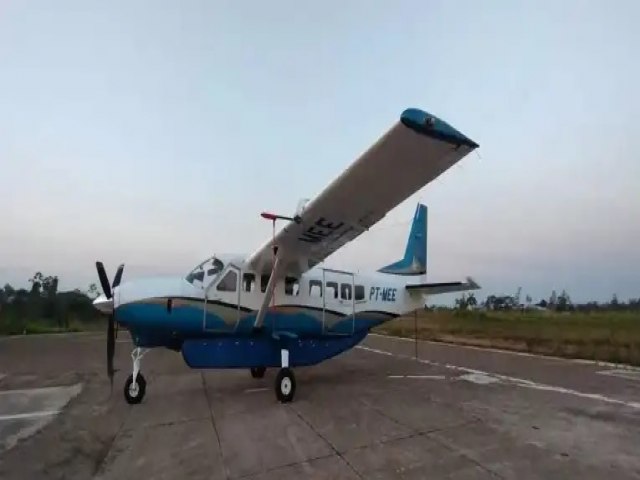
104	281
111	343
118	277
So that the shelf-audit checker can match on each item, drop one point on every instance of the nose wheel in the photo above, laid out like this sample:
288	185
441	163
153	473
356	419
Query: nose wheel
134	389
136	385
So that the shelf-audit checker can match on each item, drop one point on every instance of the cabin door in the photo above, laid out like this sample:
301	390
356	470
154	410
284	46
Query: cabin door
222	302
338	303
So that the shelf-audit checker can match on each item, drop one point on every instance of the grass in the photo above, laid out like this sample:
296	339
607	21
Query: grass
34	327
612	336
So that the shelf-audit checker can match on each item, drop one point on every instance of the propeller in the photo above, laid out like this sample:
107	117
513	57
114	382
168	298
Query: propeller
107	289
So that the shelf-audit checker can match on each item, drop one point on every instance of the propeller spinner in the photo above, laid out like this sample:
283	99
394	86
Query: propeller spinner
108	293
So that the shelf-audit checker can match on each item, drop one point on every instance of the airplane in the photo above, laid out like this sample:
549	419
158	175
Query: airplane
278	307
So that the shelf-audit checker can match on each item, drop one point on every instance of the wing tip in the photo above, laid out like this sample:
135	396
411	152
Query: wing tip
425	123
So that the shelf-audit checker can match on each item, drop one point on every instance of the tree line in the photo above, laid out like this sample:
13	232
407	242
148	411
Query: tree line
555	302
43	304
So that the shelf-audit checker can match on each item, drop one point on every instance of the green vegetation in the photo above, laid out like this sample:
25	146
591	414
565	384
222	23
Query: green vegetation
42	309
606	334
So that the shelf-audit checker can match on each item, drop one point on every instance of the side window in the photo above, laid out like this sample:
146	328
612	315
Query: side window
264	281
229	282
345	291
359	292
332	289
291	286
248	282
315	288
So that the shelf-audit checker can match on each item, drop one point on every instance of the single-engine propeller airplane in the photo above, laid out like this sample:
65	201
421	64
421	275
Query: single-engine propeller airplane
278	307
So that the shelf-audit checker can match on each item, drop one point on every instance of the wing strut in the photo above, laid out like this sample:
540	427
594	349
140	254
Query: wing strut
257	325
273	279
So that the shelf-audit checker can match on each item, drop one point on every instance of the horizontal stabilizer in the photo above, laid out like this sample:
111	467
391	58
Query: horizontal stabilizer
443	287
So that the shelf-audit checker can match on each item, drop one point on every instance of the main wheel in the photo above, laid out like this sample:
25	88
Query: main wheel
258	372
134	392
285	385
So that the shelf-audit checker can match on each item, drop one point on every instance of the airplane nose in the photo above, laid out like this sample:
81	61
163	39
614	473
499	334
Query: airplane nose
104	304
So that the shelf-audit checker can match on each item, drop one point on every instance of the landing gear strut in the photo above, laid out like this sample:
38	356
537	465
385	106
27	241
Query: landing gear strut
285	380
136	385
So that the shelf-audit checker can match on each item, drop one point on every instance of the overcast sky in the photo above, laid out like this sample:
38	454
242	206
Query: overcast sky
154	133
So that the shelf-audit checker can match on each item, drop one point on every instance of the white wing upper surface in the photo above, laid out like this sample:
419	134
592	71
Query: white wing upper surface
413	152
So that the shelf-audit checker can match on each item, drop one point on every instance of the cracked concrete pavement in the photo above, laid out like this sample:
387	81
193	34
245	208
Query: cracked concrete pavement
373	412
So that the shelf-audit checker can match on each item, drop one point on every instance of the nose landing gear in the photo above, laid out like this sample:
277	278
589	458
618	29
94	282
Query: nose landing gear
136	385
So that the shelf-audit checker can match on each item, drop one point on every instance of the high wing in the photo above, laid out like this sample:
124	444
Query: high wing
412	153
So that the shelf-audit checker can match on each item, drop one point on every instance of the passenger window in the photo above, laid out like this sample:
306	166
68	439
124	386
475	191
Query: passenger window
291	286
345	291
332	289
264	281
315	288
229	282
359	292
248	282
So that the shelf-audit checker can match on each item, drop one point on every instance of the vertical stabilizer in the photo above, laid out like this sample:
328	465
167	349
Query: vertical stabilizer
414	261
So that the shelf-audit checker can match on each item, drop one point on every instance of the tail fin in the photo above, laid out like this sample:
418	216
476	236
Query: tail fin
415	255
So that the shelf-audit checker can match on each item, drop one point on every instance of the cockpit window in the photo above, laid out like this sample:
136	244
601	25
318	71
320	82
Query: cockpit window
199	276
217	267
212	267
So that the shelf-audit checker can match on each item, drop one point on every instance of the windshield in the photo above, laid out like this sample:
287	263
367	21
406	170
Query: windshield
205	272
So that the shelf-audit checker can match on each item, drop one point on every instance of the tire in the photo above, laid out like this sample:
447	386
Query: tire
285	385
134	395
258	372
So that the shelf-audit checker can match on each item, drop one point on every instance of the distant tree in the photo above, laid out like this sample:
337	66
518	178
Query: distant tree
543	303
563	302
614	301
36	283
471	300
528	299
9	291
462	302
553	299
50	286
490	302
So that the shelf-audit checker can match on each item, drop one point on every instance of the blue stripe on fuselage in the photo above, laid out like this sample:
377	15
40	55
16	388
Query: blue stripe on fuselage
151	324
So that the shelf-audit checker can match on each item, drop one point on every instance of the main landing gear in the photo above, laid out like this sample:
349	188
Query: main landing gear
285	384
136	385
285	380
